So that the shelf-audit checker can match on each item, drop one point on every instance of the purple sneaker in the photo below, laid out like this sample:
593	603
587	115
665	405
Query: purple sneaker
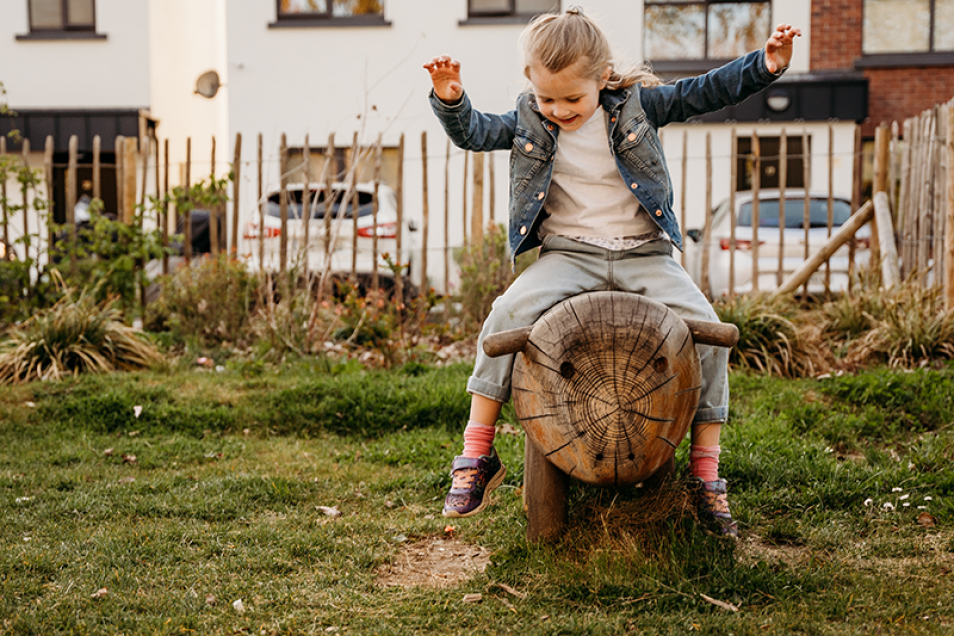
474	480
712	505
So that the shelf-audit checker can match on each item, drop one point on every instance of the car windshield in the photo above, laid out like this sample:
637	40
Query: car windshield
795	213
318	209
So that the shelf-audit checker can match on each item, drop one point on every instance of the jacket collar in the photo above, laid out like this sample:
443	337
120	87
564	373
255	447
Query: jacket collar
611	101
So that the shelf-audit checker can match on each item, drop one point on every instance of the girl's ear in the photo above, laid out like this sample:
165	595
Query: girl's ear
604	78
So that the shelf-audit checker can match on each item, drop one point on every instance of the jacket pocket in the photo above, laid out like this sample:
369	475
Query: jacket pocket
526	144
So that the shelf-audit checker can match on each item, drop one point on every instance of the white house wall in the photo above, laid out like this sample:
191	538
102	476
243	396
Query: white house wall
77	73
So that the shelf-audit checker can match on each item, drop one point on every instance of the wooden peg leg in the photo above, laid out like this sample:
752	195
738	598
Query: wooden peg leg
544	494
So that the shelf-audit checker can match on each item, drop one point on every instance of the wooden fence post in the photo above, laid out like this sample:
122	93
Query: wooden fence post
447	227
70	198
707	227
236	184
882	158
164	223
48	184
330	171
831	201
807	180
782	179
682	193
187	214
355	201
477	204
375	208
305	211
756	190
260	206
733	220
283	204
949	220
492	193
399	231
25	155
213	207
130	149
425	213
464	206
3	202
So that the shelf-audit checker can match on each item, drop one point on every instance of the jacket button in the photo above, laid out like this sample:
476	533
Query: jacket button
528	147
549	126
523	230
658	212
541	195
634	186
612	119
632	137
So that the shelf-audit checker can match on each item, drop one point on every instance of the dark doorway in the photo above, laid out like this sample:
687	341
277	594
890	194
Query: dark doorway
769	149
84	182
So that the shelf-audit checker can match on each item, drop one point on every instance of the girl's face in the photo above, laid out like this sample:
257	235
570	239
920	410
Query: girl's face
566	98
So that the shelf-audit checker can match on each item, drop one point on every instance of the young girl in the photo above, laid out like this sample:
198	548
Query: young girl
590	186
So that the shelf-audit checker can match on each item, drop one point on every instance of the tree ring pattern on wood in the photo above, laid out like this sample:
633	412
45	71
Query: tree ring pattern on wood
607	386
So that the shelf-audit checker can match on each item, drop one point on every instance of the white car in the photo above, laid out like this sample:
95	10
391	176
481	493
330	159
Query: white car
341	233
769	242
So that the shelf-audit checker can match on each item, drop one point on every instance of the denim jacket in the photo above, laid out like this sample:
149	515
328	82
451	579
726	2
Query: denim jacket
635	114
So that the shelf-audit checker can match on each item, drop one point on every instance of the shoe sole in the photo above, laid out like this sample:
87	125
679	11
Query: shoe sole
492	485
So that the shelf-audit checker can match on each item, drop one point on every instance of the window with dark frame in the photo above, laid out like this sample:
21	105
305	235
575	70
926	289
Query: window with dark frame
769	161
717	30
328	9
48	16
907	26
510	8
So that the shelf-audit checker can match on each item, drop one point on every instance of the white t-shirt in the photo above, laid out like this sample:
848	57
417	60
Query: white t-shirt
588	198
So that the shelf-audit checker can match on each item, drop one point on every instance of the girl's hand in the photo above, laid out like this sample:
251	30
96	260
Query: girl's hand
445	75
778	49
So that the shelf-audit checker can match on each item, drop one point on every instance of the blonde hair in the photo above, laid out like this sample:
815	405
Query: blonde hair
558	40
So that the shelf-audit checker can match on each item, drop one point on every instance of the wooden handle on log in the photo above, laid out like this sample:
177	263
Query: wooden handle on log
719	334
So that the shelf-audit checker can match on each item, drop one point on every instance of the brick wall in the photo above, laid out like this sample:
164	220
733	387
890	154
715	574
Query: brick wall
894	94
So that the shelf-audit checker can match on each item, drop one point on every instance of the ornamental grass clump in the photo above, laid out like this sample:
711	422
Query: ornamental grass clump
76	335
769	341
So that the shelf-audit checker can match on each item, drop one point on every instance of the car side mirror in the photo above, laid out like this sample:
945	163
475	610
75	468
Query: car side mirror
695	234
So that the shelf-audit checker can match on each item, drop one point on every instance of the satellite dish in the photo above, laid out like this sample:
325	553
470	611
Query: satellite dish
208	84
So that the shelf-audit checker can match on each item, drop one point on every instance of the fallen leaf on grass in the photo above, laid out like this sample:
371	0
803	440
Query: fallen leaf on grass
100	593
137	411
30	405
239	606
450	530
509	429
726	606
127	480
210	599
331	511
129	459
108	452
510	590
927	520
473	598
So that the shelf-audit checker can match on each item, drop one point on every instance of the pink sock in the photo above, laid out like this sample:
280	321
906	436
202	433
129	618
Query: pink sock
477	439
704	462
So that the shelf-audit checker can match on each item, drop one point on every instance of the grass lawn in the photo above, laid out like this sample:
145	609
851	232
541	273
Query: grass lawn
220	490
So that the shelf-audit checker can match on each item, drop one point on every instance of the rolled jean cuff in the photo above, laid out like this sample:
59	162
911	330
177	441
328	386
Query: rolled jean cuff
487	389
715	414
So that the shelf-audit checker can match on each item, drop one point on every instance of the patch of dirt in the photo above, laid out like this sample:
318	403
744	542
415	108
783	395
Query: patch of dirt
434	562
752	549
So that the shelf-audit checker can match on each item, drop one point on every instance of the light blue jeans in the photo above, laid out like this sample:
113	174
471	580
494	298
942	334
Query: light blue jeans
566	268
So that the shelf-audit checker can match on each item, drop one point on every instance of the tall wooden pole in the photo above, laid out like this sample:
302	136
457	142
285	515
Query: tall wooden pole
3	202
213	207
236	191
283	204
707	227
733	219
477	206
831	201
375	208
118	145
260	206
187	214
756	188
48	179
807	208
355	200
882	158
949	217
492	193
129	178
399	231
304	214
782	179
330	171
25	150
464	206
97	168
70	199
164	224
447	226
425	213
